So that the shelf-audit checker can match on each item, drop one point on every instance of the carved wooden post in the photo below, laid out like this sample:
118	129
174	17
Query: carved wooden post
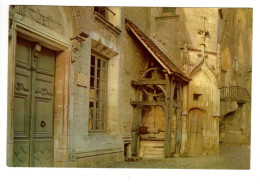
184	121
137	119
168	117
179	126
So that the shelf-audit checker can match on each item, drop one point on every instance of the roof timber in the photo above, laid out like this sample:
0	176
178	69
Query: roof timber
156	52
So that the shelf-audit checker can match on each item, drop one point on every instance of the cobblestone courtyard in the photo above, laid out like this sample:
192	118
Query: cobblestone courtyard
230	157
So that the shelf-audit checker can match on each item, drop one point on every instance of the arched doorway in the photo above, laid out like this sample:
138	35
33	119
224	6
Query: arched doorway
195	141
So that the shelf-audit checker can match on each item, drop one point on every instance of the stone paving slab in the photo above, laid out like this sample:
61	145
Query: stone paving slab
230	157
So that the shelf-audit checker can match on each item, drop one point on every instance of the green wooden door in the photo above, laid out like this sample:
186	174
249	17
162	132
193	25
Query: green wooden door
33	106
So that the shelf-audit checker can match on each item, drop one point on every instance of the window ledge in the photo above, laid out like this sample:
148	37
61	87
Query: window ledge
106	23
167	17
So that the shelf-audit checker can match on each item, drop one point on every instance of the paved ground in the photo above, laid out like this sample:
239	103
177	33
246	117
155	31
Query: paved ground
230	157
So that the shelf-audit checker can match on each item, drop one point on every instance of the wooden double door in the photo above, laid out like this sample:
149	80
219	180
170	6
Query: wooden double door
33	105
196	118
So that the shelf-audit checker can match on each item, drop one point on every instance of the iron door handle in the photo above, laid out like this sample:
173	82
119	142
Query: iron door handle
43	124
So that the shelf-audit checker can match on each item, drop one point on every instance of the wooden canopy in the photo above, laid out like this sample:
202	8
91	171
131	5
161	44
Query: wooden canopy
158	54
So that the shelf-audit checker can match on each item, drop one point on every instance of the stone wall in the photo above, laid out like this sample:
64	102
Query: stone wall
236	66
236	46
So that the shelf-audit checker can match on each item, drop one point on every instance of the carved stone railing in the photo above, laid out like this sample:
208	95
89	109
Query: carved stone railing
234	93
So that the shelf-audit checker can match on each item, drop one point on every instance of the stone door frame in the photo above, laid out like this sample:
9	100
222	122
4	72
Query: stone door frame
50	39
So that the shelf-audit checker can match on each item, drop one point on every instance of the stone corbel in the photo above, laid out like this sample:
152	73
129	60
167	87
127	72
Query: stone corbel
76	43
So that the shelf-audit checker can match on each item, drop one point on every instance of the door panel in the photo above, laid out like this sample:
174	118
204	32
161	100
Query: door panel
46	62
44	94
22	102
23	53
21	154
44	118
42	153
195	132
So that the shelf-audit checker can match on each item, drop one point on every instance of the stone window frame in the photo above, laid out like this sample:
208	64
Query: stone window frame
98	104
103	18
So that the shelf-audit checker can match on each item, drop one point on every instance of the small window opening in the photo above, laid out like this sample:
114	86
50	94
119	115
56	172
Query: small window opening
196	97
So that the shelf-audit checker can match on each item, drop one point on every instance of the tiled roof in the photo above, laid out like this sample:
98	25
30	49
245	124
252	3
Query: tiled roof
164	60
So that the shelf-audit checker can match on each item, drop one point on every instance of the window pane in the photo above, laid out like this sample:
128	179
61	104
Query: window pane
92	71
100	105
97	94
98	84
90	124
102	95
92	82
92	93
100	125
91	119
103	75
104	65
96	9
93	60
99	63
102	11
98	73
102	85
100	115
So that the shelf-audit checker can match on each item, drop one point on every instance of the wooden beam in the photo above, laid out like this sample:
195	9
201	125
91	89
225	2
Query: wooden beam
146	103
176	103
168	117
137	121
146	82
179	125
